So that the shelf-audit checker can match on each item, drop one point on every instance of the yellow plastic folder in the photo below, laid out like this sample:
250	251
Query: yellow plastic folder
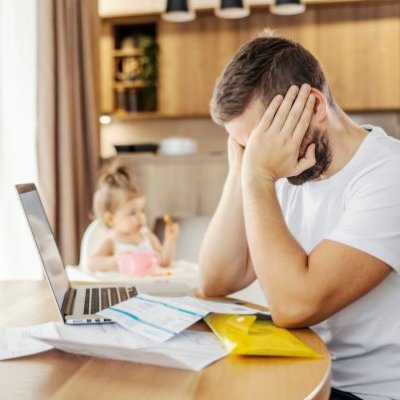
245	335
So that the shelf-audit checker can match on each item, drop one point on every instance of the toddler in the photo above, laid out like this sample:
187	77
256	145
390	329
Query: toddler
131	246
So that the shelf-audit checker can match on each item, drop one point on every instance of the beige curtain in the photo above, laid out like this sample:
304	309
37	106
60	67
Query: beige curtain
68	131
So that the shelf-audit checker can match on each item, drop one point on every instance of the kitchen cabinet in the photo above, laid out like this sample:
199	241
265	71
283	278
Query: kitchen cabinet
358	45
359	48
182	186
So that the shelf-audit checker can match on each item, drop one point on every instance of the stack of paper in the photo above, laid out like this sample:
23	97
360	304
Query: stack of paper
149	330
161	318
190	350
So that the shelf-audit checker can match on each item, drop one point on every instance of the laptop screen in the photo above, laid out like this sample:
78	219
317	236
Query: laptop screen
44	239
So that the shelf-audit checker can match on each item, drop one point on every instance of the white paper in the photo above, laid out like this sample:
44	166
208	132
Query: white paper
161	318
101	335
156	318
190	350
17	342
220	307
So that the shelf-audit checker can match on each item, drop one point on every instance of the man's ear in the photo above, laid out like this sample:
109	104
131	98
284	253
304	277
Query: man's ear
320	106
108	219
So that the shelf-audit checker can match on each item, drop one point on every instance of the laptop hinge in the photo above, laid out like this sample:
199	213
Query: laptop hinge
68	302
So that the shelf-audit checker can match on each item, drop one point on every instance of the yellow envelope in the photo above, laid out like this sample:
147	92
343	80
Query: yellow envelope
245	335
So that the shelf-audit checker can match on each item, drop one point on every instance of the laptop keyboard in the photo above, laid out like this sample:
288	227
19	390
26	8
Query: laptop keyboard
97	299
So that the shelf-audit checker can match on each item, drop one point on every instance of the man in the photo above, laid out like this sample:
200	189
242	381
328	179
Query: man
310	208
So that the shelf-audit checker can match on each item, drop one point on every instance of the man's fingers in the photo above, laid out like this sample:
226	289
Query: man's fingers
235	155
296	111
308	160
268	116
304	121
284	109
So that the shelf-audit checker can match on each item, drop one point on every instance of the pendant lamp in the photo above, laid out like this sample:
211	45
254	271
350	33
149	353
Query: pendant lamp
287	7
232	9
178	11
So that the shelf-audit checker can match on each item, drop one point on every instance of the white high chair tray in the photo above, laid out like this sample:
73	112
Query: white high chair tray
180	271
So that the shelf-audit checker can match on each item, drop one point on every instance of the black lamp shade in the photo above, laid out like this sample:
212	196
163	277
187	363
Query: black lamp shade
287	7
281	2
177	5
178	11
231	4
232	9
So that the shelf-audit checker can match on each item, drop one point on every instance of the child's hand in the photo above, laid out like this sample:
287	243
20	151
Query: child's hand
172	231
171	228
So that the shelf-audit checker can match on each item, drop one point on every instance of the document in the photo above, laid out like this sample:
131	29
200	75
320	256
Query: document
17	342
161	318
191	350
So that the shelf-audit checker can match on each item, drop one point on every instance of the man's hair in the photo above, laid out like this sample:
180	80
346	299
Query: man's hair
263	68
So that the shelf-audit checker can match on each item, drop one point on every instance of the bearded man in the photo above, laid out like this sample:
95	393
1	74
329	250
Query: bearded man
310	208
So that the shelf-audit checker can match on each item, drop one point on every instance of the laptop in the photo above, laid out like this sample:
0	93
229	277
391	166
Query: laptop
76	305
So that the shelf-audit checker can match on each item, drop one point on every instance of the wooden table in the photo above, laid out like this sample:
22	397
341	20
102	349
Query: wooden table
58	375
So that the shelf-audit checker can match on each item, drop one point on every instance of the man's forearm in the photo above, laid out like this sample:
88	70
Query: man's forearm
224	252
279	261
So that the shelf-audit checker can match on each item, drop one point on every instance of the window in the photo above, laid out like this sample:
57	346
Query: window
18	256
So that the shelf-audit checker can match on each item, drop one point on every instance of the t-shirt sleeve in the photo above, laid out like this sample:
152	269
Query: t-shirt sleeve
371	220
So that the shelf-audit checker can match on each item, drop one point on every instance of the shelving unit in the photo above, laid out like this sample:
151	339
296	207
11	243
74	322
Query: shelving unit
191	56
133	70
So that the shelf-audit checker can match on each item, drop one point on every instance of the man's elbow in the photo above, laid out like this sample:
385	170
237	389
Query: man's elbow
296	315
211	286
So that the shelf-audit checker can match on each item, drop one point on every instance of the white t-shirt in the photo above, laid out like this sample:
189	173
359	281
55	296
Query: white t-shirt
360	207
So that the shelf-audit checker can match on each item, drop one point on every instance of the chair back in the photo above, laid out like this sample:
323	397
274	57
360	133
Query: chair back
94	235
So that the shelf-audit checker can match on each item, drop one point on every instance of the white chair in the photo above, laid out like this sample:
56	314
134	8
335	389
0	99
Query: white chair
94	235
192	231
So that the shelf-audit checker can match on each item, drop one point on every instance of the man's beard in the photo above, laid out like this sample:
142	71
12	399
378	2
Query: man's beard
323	157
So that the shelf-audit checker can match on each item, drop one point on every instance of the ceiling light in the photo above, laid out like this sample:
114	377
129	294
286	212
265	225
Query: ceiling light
178	11
232	9
287	7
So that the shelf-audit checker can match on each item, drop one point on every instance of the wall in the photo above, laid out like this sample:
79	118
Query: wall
389	121
210	137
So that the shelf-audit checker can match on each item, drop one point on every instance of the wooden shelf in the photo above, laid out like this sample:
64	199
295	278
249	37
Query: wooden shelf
127	53
150	115
171	159
140	115
126	69
132	85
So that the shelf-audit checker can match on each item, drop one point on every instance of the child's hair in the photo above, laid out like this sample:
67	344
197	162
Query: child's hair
114	188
